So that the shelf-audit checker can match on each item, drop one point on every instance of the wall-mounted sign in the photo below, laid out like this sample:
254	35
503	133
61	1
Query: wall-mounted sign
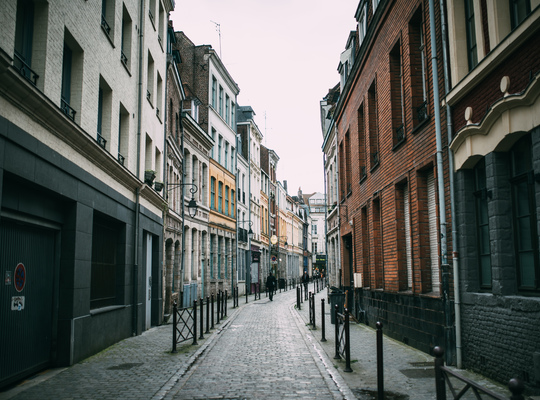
20	277
17	303
273	260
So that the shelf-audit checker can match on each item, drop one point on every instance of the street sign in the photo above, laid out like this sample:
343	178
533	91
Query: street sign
20	277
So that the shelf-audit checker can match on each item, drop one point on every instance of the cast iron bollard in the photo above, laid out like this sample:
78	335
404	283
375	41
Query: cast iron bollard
223	304
323	339
175	311
246	294
194	322
517	387
380	366
218	305
298	298
207	314
212	311
202	319
440	386
347	343
336	311
313	309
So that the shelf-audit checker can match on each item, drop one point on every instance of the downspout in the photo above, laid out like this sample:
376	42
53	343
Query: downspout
182	257
325	219
138	174
440	180
449	129
248	255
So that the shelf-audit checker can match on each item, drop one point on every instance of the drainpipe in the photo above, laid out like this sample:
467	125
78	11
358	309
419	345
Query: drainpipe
138	174
440	181
182	257
449	129
325	219
248	255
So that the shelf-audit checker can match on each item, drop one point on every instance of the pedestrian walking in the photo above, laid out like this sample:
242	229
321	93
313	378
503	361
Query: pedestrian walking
305	280
270	285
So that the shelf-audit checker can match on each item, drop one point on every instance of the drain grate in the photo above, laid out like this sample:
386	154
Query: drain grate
125	366
418	373
423	364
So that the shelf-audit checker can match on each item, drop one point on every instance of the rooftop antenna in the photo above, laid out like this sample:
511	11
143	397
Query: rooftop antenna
218	29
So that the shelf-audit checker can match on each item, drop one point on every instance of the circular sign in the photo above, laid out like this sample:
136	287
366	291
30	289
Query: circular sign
273	239
20	277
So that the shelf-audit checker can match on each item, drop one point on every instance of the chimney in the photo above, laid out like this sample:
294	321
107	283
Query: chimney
285	186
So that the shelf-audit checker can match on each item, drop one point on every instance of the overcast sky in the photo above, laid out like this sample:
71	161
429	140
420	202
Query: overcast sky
283	54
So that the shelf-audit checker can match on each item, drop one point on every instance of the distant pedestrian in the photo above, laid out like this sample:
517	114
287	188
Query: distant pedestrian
270	285
305	280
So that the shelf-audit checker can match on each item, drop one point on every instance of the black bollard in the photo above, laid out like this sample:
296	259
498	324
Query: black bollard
202	319
175	311
207	314
225	301
323	339
246	294
380	366
440	385
313	310
195	322
517	387
336	325
212	311
218	305
347	343
298	298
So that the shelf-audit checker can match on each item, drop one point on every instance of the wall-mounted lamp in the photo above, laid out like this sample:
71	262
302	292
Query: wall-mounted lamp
192	205
250	232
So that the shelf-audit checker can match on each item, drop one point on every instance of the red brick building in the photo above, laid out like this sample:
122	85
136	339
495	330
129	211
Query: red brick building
394	201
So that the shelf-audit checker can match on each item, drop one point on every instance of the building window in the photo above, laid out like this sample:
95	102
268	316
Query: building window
373	126
104	113
214	142
418	69
212	193
472	54
362	24
404	249
214	88
125	50
226	211
220	142
72	71
361	149
150	79
123	135
23	40
226	154
482	225
221	101
106	263
524	210
348	172
366	253
107	17
220	197
396	94
233	114
313	229
314	247
519	9
212	246
232	159
227	105
377	243
219	255
159	95
232	204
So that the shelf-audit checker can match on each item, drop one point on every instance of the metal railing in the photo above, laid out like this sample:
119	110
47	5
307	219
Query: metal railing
342	337
443	381
24	69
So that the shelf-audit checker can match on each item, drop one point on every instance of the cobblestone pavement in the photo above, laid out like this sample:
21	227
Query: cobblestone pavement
408	372
262	350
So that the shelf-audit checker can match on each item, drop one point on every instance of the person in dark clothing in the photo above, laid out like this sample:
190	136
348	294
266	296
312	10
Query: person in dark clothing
270	285
305	280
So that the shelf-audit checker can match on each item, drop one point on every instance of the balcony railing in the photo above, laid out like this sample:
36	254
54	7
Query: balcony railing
148	95
123	58
151	16
121	159
24	69
101	140
70	112
105	25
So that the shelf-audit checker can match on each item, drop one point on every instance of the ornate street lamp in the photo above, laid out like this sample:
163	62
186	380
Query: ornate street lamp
192	205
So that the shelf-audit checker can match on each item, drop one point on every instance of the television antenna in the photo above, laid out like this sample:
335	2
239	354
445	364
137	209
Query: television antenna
218	29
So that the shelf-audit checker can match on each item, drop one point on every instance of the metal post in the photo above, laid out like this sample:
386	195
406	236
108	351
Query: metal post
218	305
225	301
298	298
212	311
440	386
207	314
194	322
175	312
313	310
246	295
517	387
337	356
323	339
348	344
380	366
202	319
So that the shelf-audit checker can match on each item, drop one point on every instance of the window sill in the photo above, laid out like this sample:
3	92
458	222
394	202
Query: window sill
108	36
399	144
421	125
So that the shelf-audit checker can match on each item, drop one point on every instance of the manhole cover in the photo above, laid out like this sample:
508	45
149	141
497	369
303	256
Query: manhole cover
418	373
125	366
366	394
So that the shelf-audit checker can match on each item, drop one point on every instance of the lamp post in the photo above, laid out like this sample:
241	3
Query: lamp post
192	210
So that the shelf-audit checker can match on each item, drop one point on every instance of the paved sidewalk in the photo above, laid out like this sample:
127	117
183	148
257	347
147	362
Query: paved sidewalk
408	373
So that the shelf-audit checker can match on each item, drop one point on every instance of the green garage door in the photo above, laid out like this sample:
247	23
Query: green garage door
26	299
